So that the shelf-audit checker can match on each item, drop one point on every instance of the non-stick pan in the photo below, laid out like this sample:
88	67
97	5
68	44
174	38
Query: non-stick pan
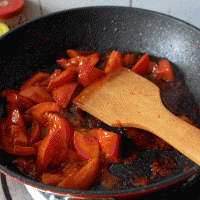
34	47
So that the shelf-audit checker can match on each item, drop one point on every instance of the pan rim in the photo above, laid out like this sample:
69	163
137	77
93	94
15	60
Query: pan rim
95	7
90	193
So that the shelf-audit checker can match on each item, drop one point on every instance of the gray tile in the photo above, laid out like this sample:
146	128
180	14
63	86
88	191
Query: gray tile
57	5
17	190
2	196
187	10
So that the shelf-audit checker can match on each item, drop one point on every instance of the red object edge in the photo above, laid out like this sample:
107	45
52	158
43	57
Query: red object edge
12	9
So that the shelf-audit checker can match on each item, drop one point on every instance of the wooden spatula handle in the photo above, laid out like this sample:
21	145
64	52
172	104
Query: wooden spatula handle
178	133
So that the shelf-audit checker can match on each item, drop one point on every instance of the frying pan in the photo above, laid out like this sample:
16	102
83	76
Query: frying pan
34	46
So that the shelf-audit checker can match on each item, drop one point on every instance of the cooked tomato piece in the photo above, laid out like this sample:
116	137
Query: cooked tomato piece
85	146
35	133
39	111
36	145
110	143
89	74
17	136
16	118
18	101
36	94
28	120
129	59
63	94
56	122
73	63
114	61
164	71
70	169
56	73
75	53
38	77
48	148
60	154
152	66
73	158
65	77
84	178
19	150
93	59
4	93
8	146
142	66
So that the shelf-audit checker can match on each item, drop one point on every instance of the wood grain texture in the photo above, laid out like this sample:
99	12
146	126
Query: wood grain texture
124	97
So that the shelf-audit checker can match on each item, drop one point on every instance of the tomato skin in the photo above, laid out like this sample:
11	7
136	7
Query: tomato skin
89	74
36	94
38	77
35	133
13	135
16	101
46	150
85	146
75	53
39	111
5	93
63	94
84	178
60	154
110	143
55	74
164	71
53	148
152	66
15	118
56	122
114	61
65	77
18	150
142	66
16	135
36	145
73	63
15	149
129	59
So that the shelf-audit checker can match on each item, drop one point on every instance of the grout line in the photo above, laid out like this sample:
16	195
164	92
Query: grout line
131	3
41	11
5	187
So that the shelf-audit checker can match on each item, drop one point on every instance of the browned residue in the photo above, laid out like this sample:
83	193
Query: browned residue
118	123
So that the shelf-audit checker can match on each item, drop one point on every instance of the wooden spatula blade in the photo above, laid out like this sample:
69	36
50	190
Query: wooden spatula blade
131	100
121	96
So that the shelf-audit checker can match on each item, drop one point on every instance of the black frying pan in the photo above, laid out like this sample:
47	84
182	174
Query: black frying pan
34	46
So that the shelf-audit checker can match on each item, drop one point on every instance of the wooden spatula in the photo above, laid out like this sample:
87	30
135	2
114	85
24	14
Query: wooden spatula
126	98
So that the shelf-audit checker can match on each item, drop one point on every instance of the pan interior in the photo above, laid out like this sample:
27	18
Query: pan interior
34	46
